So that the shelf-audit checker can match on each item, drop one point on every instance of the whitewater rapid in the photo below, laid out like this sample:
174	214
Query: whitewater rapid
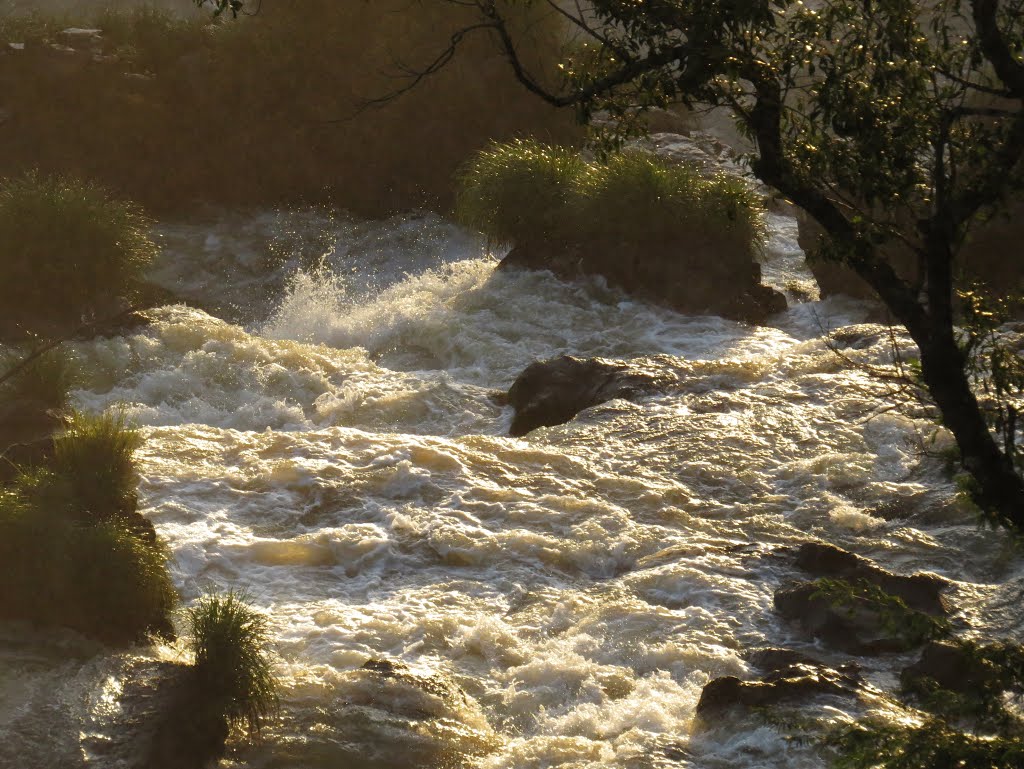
324	434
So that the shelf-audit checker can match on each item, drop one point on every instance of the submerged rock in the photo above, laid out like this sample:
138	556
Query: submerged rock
552	392
859	607
688	278
789	676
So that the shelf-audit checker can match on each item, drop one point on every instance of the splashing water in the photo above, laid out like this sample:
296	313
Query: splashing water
558	600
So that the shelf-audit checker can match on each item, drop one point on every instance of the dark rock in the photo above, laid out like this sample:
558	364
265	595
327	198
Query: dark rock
554	391
919	591
689	278
952	667
167	722
790	681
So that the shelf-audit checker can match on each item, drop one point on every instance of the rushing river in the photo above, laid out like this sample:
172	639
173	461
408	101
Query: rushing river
324	435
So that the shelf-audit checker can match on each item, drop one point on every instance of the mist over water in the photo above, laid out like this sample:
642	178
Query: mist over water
325	435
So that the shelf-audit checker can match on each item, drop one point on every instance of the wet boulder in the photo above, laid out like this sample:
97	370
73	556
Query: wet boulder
922	592
859	607
970	669
788	677
554	391
692	278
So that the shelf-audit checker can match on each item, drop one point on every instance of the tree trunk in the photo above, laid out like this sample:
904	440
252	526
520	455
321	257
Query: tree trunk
1000	490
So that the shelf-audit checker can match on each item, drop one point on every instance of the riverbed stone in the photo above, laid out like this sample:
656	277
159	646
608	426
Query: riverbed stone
922	592
691	278
861	623
789	677
554	391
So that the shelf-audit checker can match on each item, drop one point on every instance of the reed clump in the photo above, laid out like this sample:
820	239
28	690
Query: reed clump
70	250
229	640
74	551
526	192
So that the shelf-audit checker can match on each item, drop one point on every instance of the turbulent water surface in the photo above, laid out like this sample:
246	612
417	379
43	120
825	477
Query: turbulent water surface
324	434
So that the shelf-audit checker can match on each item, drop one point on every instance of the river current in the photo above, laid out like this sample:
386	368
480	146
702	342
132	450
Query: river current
323	434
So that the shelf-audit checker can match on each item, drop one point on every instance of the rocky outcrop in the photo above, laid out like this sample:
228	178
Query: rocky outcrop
554	391
858	607
789	677
694	277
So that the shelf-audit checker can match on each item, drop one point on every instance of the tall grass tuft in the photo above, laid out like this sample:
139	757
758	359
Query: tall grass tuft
93	463
101	580
525	192
229	640
69	248
521	191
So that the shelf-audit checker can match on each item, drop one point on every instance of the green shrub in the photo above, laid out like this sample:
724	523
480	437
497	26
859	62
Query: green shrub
48	379
877	744
525	191
229	640
520	191
100	580
67	250
93	466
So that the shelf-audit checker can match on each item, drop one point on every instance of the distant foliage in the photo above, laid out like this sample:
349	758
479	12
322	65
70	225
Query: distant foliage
229	640
526	191
69	248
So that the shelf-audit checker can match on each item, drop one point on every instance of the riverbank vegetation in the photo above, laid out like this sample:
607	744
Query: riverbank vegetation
525	192
239	113
72	252
73	554
229	641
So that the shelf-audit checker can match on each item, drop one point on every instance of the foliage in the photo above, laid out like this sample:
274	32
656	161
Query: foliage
152	40
48	379
993	364
229	640
527	191
101	580
991	672
69	250
520	191
895	617
93	466
878	744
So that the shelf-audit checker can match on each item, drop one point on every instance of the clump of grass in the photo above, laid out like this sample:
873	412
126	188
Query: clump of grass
101	579
878	744
47	380
525	192
229	640
69	249
520	191
93	462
